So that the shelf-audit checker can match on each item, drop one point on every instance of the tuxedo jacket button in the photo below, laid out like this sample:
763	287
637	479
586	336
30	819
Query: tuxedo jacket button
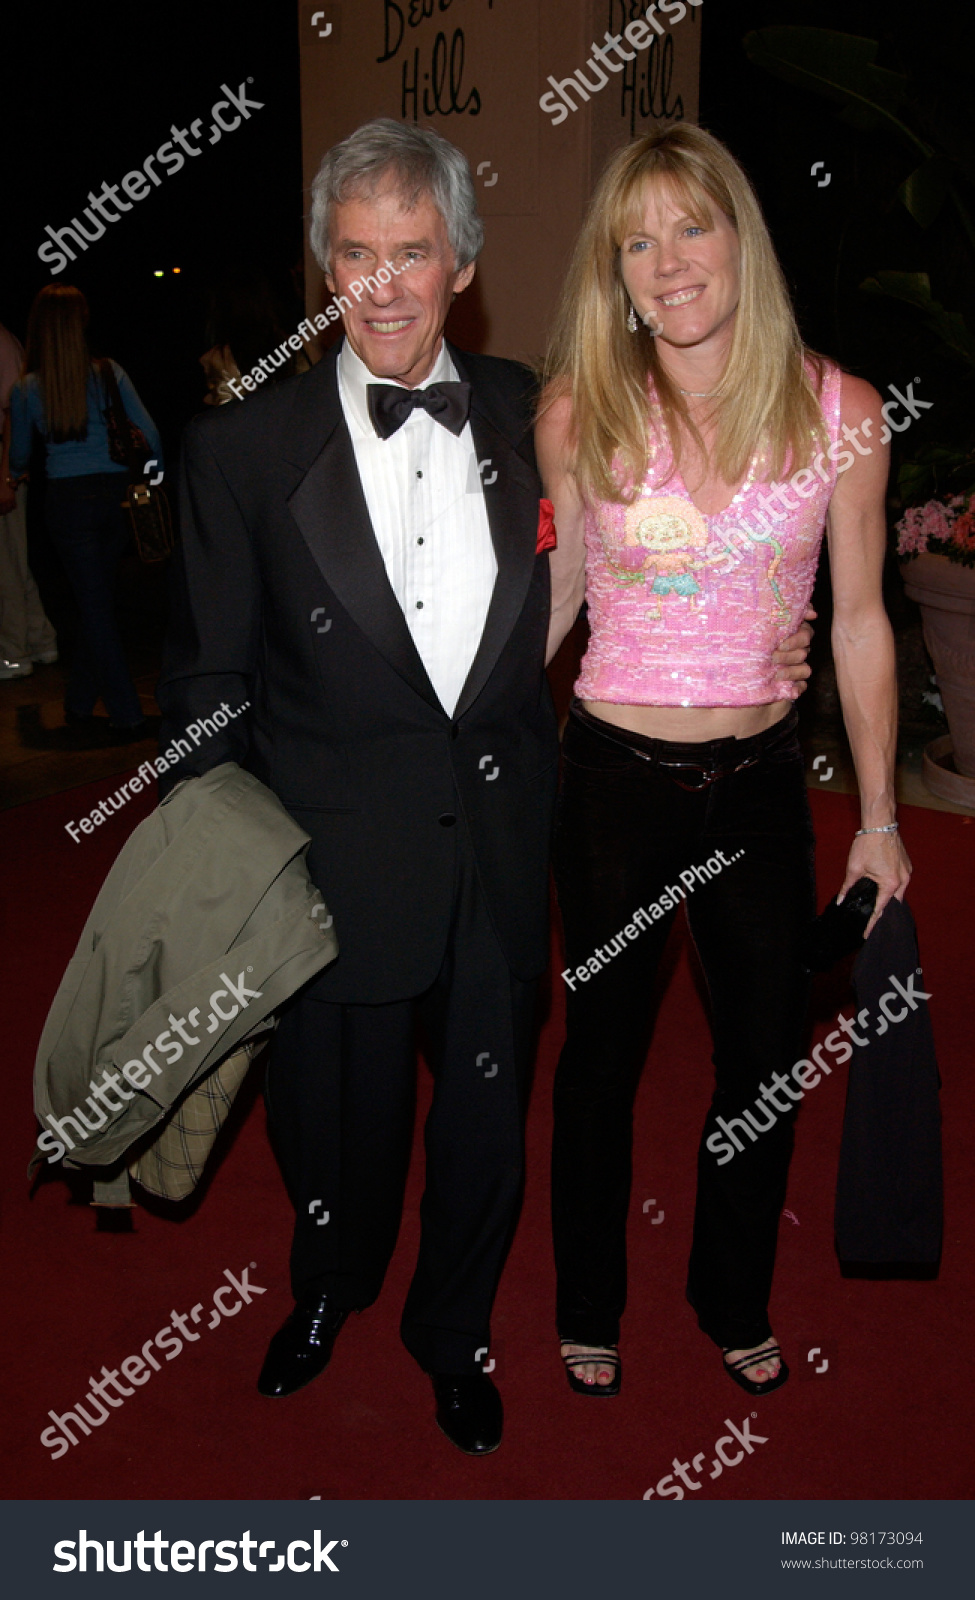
446	819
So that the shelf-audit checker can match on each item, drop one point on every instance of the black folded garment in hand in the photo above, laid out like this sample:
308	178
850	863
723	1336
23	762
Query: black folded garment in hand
840	929
889	1184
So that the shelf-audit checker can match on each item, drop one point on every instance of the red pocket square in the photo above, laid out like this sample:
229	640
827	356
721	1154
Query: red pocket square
547	536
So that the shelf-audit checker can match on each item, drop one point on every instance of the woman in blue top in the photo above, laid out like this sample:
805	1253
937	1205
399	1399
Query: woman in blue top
63	396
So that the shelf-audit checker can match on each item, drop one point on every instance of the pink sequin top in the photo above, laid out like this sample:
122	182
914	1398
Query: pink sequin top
686	609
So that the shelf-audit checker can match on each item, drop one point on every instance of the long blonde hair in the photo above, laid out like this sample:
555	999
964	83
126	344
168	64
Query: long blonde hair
57	350
765	400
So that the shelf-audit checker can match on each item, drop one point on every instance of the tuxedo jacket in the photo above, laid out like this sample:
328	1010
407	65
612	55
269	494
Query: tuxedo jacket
281	599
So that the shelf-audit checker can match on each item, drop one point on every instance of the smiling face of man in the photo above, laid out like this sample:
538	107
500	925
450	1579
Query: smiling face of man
396	328
682	273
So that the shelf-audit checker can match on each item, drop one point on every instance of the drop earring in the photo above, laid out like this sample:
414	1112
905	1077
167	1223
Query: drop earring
631	321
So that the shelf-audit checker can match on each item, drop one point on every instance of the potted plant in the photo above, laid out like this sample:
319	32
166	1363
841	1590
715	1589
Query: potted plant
936	547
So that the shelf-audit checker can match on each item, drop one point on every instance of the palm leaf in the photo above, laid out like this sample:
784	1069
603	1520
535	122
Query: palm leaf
843	68
925	191
914	288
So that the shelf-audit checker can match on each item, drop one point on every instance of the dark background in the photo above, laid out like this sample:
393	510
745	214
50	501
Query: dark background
94	89
89	92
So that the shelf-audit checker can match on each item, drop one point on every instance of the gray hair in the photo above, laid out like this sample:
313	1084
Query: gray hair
419	160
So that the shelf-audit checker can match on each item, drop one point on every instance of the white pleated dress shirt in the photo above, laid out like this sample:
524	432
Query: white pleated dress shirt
425	500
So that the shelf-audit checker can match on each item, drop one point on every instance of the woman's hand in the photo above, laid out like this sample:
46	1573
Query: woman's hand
880	856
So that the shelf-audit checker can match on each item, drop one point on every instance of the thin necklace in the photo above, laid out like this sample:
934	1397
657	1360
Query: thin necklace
697	394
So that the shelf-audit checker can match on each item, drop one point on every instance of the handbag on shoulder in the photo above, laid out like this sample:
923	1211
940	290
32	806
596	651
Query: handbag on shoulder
148	507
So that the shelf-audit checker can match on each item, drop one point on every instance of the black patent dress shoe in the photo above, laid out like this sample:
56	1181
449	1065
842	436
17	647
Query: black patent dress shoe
469	1411
301	1348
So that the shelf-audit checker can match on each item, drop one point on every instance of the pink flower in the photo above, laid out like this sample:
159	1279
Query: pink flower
937	520
909	541
921	524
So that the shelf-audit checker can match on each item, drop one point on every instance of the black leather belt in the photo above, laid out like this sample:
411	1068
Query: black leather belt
709	772
708	776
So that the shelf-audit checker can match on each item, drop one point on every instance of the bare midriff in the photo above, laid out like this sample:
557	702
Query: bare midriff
690	724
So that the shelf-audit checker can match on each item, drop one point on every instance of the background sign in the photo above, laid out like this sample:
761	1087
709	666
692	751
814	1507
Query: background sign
475	70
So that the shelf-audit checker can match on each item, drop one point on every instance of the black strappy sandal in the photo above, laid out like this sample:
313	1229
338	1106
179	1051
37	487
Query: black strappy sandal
599	1355
736	1371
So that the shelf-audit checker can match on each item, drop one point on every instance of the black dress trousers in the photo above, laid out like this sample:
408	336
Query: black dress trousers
341	1101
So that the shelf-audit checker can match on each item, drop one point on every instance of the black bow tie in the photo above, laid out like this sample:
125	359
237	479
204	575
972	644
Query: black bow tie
390	405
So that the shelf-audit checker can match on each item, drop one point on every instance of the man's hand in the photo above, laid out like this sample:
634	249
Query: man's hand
790	658
8	495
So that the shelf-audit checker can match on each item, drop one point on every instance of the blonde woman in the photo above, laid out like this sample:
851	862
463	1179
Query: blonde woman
695	452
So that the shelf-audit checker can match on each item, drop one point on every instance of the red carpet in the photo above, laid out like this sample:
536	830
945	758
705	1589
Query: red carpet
891	1417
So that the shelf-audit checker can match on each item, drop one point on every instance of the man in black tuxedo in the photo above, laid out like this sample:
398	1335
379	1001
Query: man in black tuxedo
360	561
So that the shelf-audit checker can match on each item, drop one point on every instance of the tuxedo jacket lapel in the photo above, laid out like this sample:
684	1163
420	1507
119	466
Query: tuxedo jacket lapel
330	509
511	501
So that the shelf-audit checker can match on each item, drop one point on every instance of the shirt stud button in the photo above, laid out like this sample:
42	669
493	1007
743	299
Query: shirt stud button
419	605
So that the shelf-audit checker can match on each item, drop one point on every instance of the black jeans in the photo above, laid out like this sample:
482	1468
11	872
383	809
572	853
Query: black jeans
86	523
628	824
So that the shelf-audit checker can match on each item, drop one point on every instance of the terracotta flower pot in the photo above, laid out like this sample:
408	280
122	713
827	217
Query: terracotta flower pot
945	591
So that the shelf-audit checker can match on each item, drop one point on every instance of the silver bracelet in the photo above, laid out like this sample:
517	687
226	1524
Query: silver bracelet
891	827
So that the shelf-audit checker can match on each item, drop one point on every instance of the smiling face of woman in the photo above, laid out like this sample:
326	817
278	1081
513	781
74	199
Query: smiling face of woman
683	273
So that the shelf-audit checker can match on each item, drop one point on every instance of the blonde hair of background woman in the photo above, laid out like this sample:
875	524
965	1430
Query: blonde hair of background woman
765	399
57	350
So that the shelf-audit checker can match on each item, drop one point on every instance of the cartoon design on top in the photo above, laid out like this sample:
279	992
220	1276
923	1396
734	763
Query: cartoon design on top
664	545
